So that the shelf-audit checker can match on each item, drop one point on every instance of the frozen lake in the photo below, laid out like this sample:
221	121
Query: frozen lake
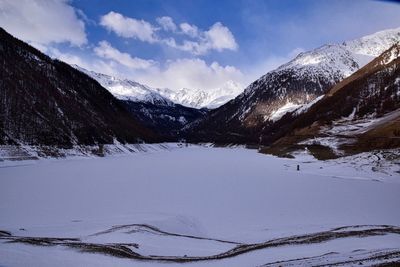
193	202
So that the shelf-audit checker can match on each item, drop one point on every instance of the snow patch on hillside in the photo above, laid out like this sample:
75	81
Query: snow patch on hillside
307	106
288	107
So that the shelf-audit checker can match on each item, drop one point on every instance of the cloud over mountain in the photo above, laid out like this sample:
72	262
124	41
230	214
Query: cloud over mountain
218	37
43	22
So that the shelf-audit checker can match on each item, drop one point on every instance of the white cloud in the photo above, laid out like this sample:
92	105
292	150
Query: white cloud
167	23
89	62
188	29
191	73
129	27
105	50
42	22
169	41
175	74
218	37
45	23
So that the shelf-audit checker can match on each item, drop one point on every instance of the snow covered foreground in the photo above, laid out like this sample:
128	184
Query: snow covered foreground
198	206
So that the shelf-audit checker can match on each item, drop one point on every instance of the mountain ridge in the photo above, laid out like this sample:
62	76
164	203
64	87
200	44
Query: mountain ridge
153	110
47	102
296	83
126	89
367	118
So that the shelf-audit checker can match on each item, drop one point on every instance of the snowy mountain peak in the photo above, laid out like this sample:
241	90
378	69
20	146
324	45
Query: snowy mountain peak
125	89
327	58
374	44
323	66
292	87
200	98
346	57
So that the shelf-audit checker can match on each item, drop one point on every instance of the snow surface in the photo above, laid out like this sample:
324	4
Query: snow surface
228	194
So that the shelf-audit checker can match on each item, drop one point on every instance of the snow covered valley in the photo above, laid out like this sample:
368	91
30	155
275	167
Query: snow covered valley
199	206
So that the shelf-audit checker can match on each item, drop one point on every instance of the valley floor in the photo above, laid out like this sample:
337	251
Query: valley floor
200	206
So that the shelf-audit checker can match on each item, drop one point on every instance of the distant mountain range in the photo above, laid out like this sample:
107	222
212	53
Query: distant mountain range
152	109
126	89
336	99
203	99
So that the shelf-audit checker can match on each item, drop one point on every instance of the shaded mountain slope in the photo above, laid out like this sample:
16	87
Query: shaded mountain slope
153	110
166	120
47	102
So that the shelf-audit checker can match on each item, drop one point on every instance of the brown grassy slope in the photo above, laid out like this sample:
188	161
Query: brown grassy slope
384	136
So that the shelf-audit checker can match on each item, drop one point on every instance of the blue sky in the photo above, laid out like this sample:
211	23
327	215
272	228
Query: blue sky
199	44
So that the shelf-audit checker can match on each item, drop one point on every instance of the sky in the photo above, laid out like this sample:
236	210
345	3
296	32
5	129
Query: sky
202	44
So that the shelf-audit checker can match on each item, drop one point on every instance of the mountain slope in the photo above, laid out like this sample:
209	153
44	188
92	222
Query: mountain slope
151	108
361	113
166	120
125	89
289	87
47	102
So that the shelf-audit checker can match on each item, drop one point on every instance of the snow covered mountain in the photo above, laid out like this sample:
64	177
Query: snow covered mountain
152	109
125	89
289	87
359	114
325	65
203	99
